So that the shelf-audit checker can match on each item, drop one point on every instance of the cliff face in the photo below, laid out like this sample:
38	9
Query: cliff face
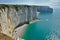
44	9
32	13
13	17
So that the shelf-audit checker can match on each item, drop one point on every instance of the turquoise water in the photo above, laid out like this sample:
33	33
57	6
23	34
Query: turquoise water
48	28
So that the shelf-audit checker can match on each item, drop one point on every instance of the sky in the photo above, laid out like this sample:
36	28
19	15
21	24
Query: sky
34	2
15	1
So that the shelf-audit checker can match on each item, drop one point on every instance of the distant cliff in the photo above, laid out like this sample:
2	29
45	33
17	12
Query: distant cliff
44	9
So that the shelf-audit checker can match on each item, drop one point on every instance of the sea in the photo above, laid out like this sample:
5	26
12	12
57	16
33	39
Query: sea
48	28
